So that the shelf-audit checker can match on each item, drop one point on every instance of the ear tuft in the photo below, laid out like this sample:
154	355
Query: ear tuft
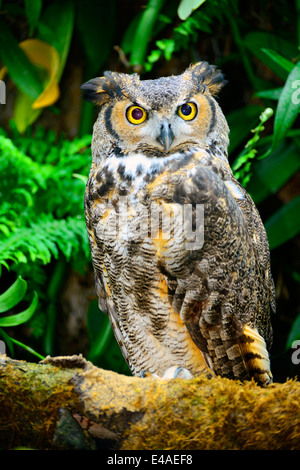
94	91
99	90
205	75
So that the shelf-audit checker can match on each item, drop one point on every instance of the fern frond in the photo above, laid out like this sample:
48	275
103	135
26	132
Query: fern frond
41	209
25	171
44	239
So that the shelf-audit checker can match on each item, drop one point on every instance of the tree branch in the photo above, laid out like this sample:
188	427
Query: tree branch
68	403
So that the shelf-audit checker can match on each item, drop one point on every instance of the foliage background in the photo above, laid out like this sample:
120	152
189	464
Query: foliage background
48	48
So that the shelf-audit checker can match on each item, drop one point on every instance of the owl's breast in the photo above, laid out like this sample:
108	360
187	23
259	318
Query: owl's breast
136	201
136	232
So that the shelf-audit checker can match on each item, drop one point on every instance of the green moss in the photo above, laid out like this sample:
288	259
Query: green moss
219	414
40	398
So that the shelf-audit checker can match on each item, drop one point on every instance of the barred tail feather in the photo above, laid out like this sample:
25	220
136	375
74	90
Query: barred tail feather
255	355
241	358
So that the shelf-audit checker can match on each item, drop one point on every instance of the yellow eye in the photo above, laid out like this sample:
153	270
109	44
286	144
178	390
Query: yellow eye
136	115
187	111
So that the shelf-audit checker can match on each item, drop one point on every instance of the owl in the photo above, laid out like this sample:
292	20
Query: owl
179	251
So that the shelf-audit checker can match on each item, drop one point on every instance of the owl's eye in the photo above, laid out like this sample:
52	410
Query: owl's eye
187	111
136	115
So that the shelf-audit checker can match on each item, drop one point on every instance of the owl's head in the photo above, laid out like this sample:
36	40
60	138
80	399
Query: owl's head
159	117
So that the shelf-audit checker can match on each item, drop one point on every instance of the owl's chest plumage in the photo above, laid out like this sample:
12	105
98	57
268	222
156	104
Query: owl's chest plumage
136	232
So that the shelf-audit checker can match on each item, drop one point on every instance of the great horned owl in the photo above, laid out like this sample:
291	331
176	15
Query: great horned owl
180	254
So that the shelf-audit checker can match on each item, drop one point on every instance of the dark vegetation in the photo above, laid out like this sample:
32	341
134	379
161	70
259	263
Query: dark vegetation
48	48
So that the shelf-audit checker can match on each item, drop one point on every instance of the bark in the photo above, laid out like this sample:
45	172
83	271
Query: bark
68	403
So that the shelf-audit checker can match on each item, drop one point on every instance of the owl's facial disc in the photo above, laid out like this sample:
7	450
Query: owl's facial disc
140	125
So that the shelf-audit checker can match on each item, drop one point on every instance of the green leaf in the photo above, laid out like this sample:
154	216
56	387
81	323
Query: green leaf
56	27
260	44
99	331
27	348
242	166
154	56
13	295
44	239
240	122
9	342
273	94
19	318
143	31
33	10
271	173
284	224
278	59
21	71
24	114
167	46
288	106
186	7
128	36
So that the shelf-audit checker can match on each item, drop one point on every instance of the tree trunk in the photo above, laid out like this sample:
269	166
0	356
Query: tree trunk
68	403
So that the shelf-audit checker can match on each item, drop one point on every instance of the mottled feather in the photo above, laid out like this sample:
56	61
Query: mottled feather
199	299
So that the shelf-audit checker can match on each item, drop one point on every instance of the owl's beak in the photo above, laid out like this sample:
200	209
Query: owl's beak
166	135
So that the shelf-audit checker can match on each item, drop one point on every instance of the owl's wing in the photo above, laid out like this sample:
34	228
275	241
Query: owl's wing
227	292
105	301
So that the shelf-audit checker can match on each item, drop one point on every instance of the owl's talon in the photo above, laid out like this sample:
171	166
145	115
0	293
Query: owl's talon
177	372
209	375
145	374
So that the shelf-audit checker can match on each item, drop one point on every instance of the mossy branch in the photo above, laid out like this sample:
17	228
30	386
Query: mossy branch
66	402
